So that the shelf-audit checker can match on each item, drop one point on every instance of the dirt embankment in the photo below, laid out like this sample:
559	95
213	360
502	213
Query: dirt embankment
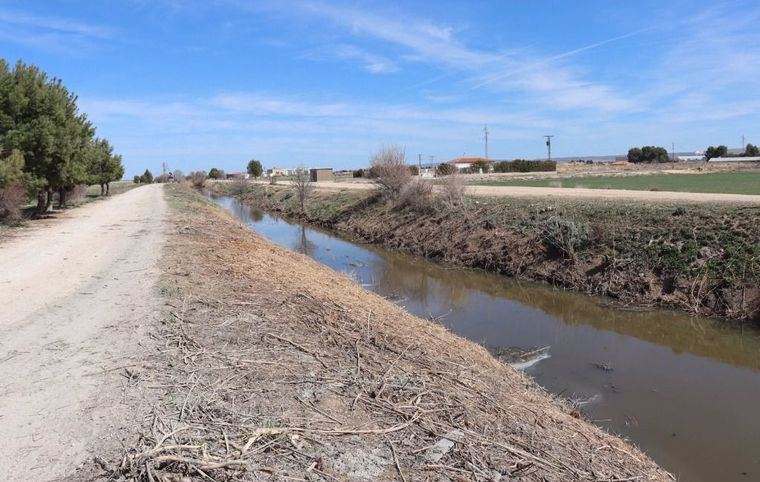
275	367
694	257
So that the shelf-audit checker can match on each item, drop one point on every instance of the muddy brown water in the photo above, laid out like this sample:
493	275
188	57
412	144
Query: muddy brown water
684	389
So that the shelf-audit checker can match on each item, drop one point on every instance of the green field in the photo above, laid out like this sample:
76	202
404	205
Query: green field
720	182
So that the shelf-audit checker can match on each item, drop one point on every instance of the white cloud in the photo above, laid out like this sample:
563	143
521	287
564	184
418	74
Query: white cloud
375	64
56	34
56	24
545	79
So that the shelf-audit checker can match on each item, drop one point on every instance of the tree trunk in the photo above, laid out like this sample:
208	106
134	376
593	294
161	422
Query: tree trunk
61	198
42	204
108	189
102	189
49	200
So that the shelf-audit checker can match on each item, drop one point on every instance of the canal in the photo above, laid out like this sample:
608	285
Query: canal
684	389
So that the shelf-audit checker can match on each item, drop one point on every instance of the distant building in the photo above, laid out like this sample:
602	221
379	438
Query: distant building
276	171
735	159
467	162
690	157
321	174
237	175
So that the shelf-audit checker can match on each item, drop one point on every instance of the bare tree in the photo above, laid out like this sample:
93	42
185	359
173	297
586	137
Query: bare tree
389	169
301	183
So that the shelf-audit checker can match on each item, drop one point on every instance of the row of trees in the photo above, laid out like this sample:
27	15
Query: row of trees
254	169
660	154
750	150
648	154
46	145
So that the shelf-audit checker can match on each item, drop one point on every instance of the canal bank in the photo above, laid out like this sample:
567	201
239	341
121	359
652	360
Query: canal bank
682	388
277	367
696	258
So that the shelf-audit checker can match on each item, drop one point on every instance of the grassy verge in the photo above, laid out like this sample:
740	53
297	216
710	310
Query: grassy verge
722	182
699	258
273	367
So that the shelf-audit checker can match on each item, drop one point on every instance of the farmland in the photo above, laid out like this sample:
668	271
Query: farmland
719	182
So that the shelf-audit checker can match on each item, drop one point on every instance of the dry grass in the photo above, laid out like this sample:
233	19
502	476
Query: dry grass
277	368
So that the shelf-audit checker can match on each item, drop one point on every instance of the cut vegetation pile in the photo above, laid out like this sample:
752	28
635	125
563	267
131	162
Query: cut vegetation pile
276	367
698	258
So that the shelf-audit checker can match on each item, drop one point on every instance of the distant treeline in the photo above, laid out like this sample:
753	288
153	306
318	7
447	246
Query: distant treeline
660	154
521	165
47	146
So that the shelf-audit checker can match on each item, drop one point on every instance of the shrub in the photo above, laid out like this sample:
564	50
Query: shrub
238	187
390	171
445	169
416	194
136	179
358	173
198	178
12	197
414	170
215	173
521	165
564	236
452	192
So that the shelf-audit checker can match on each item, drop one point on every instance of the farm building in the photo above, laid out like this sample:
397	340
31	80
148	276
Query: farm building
735	159
467	162
319	174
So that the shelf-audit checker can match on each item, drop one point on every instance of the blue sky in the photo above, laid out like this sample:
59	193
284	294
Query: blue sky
214	83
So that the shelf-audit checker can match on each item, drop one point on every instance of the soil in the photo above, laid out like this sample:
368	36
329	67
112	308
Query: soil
78	297
273	367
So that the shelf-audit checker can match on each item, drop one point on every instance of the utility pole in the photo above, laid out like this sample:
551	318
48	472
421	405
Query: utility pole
485	136
164	168
549	147
419	165
673	151
744	144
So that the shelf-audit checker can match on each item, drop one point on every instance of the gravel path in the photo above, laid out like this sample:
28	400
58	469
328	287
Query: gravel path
77	294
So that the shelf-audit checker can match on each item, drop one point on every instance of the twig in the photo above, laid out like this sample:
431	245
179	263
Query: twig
395	460
300	347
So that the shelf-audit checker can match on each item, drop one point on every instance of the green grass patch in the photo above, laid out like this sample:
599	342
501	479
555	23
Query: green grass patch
719	182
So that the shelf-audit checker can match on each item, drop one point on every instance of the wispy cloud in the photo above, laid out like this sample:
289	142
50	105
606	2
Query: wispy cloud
57	34
55	24
375	64
491	79
372	63
544	78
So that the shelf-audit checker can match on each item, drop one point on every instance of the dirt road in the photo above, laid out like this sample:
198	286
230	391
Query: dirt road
77	294
579	193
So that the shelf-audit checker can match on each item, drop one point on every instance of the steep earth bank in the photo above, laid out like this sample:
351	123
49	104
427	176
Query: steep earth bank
276	367
695	257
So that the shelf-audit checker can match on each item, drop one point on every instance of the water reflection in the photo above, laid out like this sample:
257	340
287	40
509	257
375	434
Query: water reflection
685	389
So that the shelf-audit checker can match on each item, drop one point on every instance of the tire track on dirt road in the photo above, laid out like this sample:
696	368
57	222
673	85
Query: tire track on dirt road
77	296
